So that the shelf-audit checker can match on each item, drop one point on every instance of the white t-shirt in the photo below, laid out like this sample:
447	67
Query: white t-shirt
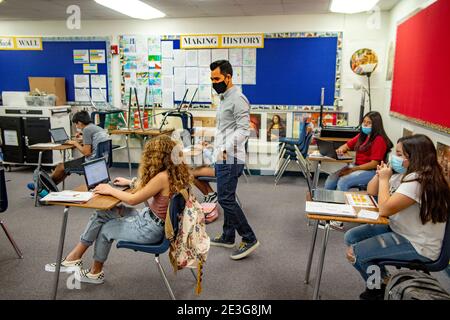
426	238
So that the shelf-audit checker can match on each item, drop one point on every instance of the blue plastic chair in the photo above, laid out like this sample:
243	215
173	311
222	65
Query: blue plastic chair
176	207
434	266
104	150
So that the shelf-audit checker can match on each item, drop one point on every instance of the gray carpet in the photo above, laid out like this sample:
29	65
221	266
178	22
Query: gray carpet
274	271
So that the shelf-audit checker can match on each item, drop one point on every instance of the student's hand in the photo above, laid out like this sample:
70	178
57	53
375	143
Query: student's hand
384	171
339	151
73	143
345	171
104	189
119	181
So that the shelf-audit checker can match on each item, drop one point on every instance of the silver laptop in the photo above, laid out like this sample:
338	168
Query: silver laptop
331	196
59	135
96	172
327	149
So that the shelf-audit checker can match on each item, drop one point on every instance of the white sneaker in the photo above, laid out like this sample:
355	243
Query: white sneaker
66	266
87	277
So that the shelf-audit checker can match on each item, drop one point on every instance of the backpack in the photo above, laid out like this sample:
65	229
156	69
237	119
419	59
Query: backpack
414	285
210	211
189	249
43	181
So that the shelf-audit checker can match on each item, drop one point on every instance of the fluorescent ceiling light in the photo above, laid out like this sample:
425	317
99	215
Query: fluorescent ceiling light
352	6
133	8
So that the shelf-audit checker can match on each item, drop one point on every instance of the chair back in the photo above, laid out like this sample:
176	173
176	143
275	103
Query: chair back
176	207
302	130
104	150
305	146
444	257
3	193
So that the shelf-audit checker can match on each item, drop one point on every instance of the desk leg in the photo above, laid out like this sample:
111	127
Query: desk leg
60	251
316	175
37	182
321	260
128	152
64	180
311	250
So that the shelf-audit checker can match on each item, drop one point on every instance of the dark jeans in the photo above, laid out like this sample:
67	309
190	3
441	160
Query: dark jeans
234	219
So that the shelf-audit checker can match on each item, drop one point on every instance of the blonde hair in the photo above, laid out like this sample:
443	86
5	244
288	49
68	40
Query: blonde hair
158	156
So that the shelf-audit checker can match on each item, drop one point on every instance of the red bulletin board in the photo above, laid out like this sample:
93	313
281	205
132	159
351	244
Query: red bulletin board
421	81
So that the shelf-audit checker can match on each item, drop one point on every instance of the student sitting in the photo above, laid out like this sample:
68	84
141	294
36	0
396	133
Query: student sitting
416	198
160	177
371	146
91	135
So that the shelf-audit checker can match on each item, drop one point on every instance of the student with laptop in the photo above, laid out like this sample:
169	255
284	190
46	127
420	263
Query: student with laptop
371	146
160	177
413	192
91	136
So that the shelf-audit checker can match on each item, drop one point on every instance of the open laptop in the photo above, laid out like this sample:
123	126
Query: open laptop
59	135
96	172
324	195
327	149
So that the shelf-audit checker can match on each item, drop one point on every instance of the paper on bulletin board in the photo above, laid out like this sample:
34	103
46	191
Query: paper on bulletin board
90	68
204	57
82	95
191	58
235	57
179	75
167	99
10	138
219	54
81	80
167	49
167	67
154	45
179	58
167	83
249	57
98	95
193	89
204	93
204	75
80	56
98	81
180	89
248	75
237	75
192	75
97	56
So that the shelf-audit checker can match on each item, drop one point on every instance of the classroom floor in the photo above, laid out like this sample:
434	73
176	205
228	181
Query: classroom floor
274	271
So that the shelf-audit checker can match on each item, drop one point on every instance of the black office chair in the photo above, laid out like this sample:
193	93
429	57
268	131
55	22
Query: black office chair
176	207
434	266
3	207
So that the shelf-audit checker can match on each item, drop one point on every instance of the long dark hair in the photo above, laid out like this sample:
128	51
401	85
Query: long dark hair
377	130
280	122
435	197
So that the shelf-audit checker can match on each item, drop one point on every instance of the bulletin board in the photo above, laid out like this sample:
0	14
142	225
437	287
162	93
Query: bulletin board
291	69
422	68
55	60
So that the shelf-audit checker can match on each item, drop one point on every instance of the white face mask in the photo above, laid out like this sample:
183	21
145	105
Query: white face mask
79	130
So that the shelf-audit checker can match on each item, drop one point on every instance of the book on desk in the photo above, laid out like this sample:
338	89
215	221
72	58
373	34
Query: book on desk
68	196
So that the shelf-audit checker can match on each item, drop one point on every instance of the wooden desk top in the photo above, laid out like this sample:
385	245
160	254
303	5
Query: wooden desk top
59	147
318	157
98	202
380	220
333	139
147	132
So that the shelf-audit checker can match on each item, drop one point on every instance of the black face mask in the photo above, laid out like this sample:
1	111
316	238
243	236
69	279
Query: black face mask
220	87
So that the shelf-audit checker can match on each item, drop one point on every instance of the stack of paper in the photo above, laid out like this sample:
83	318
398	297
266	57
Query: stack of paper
68	196
366	214
332	209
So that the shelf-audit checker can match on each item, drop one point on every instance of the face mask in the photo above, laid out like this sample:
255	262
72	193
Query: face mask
220	87
79	130
366	130
397	164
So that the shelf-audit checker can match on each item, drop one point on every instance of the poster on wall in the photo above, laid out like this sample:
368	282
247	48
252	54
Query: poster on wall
80	56
443	153
97	56
276	126
255	125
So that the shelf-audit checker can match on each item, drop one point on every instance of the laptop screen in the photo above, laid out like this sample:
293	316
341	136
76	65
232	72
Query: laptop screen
59	135
96	172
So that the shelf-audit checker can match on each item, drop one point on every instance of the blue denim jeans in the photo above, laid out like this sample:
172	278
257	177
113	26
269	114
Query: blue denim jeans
378	242
354	179
120	223
234	219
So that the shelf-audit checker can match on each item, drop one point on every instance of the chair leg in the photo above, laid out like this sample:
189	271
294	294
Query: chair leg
278	171
280	175
163	275
193	273
10	238
245	176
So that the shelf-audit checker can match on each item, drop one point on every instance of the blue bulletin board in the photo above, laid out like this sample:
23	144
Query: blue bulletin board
292	68
55	60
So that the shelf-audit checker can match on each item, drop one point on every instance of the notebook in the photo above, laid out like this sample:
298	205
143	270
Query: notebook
68	196
331	209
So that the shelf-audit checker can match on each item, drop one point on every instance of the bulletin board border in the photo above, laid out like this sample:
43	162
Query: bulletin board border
426	124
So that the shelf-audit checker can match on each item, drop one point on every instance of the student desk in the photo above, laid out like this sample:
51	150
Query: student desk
145	133
318	159
98	202
328	219
42	148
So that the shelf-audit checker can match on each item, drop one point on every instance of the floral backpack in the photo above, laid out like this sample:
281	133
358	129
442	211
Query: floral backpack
189	249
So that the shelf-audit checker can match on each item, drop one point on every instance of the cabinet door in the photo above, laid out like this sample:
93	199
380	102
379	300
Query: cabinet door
36	130
12	137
